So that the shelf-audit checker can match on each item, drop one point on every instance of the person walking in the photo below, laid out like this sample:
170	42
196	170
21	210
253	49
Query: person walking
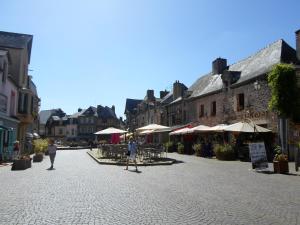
52	152
131	154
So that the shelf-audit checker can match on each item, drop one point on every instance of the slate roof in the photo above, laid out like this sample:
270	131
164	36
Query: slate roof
168	98
15	40
176	100
75	115
250	68
45	115
91	108
106	112
131	104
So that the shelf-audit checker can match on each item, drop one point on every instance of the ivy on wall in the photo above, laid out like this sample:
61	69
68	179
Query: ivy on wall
283	84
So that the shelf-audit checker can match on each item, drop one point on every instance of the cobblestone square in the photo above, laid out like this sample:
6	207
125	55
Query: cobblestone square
196	191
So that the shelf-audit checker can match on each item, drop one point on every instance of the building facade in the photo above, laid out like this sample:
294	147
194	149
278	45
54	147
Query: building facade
19	48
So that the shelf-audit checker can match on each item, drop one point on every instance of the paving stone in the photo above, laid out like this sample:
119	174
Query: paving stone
196	191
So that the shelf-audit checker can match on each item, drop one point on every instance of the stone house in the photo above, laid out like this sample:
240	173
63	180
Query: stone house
56	125
19	48
131	113
94	119
231	93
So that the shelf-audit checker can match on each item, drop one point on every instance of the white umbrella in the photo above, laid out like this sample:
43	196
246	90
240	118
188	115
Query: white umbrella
146	132
152	127
246	127
185	130
111	130
200	128
218	128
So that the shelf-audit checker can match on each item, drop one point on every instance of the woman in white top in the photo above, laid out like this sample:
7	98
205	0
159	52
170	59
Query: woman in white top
52	152
131	154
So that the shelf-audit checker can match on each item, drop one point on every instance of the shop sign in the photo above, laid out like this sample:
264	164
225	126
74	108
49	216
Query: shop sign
258	155
3	103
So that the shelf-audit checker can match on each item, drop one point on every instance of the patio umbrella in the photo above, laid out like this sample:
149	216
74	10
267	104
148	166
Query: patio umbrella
246	127
111	130
185	130
218	128
199	128
152	127
146	132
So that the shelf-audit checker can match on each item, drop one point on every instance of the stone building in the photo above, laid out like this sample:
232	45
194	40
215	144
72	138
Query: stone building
18	47
55	126
94	119
176	110
231	93
131	113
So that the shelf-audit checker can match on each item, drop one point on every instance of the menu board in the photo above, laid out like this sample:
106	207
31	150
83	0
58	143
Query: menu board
258	155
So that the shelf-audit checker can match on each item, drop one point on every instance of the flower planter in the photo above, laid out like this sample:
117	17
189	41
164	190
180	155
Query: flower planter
21	164
225	157
38	157
281	166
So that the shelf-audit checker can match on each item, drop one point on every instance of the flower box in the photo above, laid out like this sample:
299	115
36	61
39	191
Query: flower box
38	157
281	166
21	164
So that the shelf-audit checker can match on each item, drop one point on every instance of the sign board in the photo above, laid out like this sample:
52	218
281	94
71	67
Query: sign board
258	155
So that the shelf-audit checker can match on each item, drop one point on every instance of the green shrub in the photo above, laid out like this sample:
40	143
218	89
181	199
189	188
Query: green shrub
180	148
198	149
224	152
40	145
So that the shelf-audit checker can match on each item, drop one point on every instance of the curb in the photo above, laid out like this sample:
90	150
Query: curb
167	163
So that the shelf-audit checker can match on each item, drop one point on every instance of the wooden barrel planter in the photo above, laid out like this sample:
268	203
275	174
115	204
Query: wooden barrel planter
281	166
21	164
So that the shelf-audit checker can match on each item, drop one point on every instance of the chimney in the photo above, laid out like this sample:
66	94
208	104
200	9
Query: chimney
113	108
162	94
177	90
219	65
298	44
79	109
150	95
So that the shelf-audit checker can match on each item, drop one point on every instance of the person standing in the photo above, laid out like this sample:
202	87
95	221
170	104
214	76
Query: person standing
52	152
16	150
131	154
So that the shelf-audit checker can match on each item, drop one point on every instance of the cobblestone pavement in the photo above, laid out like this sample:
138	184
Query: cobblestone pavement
196	191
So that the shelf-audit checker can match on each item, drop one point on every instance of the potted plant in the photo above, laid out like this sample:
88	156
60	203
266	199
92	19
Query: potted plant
224	152
180	148
169	146
280	161
198	149
40	147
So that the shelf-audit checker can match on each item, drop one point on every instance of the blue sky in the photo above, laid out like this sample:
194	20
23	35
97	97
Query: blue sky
101	52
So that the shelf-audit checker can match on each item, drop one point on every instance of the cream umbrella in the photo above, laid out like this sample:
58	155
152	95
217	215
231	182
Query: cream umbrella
111	130
200	128
218	128
185	130
146	132
152	127
246	127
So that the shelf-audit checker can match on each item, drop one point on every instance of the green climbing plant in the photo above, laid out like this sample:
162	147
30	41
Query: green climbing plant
283	84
